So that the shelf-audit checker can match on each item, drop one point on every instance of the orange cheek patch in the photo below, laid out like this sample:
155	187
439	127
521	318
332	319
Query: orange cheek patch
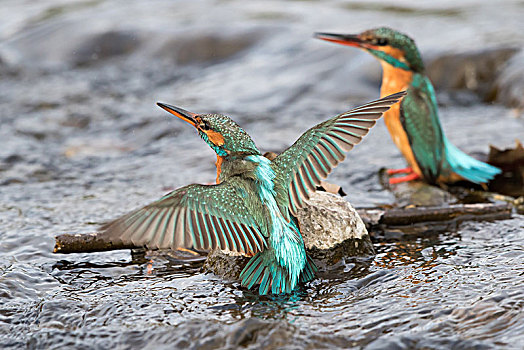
393	52
215	137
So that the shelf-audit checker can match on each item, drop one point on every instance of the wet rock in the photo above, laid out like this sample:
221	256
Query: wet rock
416	193
331	228
510	82
105	45
519	205
205	47
419	193
476	71
227	265
511	161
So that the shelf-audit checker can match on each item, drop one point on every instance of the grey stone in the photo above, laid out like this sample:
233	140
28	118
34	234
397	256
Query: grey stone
419	193
416	193
205	47
332	230
475	71
510	82
105	45
225	264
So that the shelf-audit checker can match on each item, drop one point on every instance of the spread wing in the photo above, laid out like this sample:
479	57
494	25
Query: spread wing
419	117
195	216
314	155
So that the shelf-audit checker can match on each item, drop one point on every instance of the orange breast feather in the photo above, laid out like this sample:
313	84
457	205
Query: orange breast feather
395	80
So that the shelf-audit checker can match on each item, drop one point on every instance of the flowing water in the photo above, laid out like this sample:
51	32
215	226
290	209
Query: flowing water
83	142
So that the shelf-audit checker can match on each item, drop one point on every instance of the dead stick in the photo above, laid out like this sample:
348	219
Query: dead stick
426	214
87	243
375	217
378	218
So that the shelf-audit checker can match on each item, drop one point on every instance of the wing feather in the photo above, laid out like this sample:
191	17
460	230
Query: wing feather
314	155
419	117
196	216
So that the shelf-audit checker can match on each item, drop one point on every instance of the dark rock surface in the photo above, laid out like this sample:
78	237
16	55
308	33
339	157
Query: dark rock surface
476	71
510	82
224	264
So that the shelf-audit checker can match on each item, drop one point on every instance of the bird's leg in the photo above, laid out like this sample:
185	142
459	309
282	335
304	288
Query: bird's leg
409	177
407	170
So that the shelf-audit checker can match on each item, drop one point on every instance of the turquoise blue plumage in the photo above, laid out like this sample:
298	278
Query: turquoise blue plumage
252	208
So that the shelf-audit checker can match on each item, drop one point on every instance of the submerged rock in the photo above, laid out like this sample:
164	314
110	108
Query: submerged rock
416	193
225	264
332	231
489	73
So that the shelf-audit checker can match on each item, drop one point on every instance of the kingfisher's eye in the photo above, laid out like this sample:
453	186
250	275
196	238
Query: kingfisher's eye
381	41
204	126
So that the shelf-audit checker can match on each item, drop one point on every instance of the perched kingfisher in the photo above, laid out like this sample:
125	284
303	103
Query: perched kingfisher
252	208
414	124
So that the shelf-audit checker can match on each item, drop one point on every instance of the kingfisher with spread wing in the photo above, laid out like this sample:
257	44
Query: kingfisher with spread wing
252	208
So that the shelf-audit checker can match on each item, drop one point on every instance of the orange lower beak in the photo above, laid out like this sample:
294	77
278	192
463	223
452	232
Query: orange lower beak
179	112
344	39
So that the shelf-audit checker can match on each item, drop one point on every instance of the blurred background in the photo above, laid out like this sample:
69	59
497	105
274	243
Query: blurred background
82	142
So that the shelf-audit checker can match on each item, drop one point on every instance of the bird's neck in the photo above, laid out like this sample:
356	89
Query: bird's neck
249	166
236	164
394	79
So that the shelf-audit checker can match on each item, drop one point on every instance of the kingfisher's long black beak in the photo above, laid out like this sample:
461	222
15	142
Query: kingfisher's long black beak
179	112
343	39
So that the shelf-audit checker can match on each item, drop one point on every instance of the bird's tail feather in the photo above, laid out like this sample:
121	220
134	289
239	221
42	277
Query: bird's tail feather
309	271
270	276
264	271
468	167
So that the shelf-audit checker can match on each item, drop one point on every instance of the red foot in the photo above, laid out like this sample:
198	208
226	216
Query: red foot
397	180
407	170
149	269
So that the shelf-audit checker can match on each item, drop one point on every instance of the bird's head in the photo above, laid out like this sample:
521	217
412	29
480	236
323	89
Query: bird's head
221	133
388	45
